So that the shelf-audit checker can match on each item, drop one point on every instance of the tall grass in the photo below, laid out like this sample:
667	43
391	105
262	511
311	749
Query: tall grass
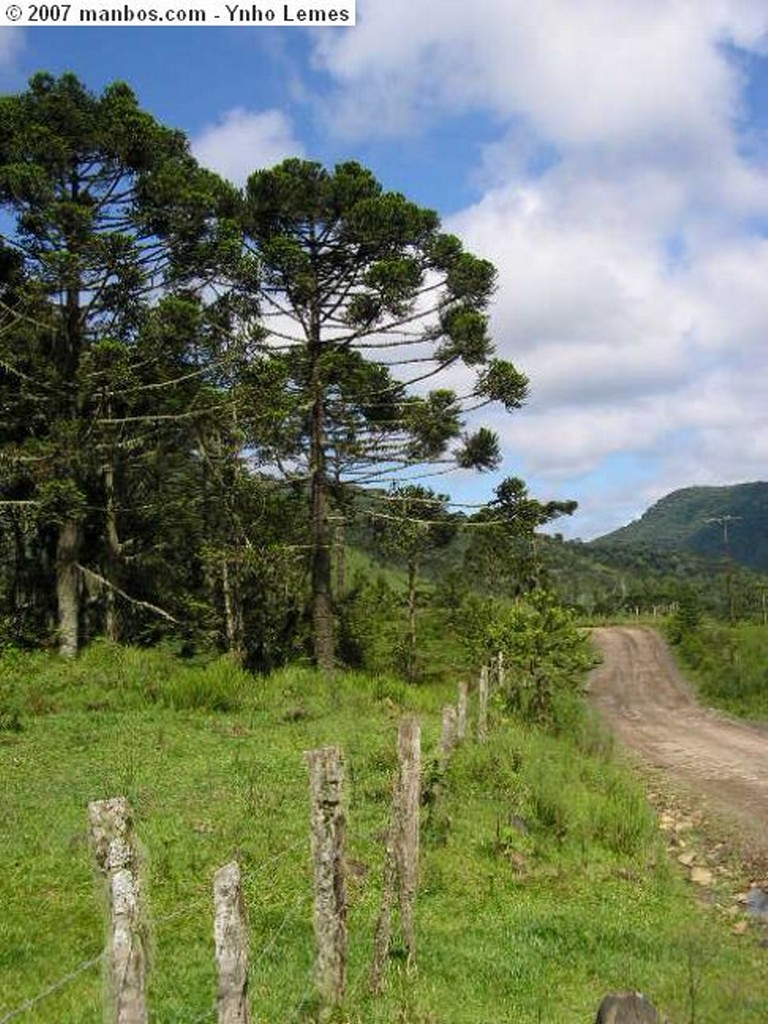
543	881
730	665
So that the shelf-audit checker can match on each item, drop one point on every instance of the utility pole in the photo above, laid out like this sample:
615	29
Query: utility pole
724	521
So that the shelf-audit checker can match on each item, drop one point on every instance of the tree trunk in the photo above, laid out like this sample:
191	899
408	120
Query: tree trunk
70	532
111	614
340	552
233	612
322	603
413	571
68	587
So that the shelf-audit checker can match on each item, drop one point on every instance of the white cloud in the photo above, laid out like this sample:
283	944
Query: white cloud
11	43
613	72
631	274
243	141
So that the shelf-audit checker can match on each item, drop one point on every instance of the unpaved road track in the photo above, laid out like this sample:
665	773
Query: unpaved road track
721	762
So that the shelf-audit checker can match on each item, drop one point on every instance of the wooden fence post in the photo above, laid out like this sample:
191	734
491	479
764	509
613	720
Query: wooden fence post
482	710
231	938
461	711
501	676
401	865
407	848
448	735
328	825
111	824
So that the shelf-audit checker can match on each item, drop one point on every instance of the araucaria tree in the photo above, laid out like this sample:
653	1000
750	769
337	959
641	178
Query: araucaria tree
365	303
111	213
502	555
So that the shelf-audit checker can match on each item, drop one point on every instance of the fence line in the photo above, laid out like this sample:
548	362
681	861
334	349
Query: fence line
455	724
304	996
174	915
278	931
204	899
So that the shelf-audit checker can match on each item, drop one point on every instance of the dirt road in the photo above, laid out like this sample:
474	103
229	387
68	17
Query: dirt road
721	762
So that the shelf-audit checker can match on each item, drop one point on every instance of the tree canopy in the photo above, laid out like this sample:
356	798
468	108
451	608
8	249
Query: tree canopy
365	303
197	382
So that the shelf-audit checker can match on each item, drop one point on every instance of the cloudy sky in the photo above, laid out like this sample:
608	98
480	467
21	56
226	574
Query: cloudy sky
610	157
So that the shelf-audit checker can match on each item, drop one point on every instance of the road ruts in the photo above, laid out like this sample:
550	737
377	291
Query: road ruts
721	761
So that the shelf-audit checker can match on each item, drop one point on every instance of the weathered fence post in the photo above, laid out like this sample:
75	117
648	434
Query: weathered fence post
111	824
407	848
448	735
482	709
231	938
328	825
461	711
501	676
401	866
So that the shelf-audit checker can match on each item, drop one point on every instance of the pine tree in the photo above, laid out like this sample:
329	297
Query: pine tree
358	286
111	212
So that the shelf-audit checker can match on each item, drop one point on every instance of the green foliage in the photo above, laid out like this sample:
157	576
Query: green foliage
59	501
545	654
111	678
501	382
104	347
370	629
687	615
503	552
479	451
729	664
362	276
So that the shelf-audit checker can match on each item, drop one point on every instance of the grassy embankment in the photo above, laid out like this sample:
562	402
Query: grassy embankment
729	666
544	882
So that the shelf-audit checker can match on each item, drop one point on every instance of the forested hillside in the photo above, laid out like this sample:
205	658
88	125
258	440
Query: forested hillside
707	521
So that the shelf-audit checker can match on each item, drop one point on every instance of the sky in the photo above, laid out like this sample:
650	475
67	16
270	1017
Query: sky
609	156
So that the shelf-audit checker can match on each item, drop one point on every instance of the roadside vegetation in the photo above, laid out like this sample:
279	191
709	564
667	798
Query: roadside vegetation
544	881
727	662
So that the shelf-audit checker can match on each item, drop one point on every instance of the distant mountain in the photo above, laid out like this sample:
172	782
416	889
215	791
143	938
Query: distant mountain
696	519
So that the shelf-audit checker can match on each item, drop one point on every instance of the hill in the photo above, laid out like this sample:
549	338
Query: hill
695	520
641	567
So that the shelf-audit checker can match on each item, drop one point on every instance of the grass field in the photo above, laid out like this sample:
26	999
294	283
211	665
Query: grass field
729	664
544	882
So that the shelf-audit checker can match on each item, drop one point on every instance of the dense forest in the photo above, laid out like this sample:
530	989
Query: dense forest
221	408
198	383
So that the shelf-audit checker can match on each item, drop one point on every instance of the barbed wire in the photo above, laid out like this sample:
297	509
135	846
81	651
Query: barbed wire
29	1004
290	915
304	996
175	915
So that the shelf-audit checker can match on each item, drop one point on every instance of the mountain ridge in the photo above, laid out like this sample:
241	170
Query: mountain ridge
711	521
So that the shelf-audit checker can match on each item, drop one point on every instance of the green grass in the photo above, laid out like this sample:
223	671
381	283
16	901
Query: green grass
729	665
544	884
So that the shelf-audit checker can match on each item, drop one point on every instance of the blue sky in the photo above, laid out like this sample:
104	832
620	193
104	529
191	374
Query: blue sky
610	156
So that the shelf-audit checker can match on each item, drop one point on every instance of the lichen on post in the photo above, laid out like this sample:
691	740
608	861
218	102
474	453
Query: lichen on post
231	940
127	955
328	837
